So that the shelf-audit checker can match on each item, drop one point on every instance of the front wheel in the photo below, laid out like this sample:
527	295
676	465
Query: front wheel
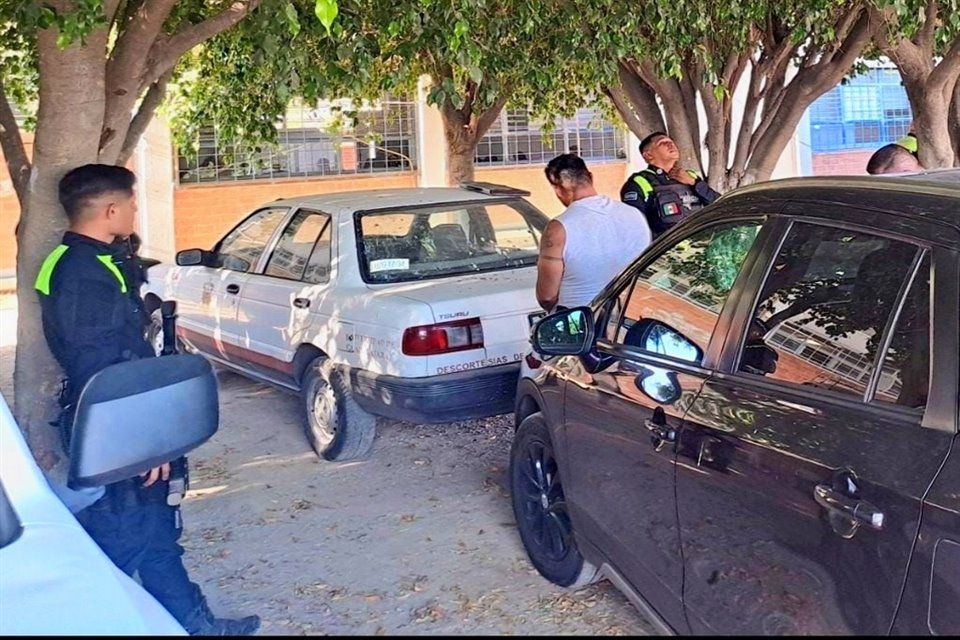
540	507
335	425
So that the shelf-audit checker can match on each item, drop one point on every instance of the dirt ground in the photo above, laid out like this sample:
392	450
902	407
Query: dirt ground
419	538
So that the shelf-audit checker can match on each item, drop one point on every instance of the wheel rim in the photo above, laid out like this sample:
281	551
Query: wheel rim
542	504
321	408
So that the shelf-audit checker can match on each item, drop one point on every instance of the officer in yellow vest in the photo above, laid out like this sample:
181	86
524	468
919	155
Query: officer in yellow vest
92	318
665	192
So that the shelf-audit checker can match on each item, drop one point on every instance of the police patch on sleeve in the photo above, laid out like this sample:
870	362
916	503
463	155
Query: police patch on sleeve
630	196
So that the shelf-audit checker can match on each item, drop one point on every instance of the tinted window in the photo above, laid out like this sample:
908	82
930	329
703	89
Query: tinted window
242	247
905	373
681	293
399	246
824	307
289	259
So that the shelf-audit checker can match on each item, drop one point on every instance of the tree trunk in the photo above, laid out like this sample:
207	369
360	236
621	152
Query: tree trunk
931	117
460	154
71	106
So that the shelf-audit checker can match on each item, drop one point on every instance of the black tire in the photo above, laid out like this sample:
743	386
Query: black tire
335	425
540	509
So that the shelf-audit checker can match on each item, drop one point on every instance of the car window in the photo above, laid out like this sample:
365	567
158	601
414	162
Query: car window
675	302
289	259
400	246
241	248
823	308
905	372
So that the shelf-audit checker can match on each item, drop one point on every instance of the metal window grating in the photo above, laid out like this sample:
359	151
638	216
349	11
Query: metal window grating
869	111
311	143
515	139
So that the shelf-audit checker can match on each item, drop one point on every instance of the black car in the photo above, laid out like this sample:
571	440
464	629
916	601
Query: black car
753	429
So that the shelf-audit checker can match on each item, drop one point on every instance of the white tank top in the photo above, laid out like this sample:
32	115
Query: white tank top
603	237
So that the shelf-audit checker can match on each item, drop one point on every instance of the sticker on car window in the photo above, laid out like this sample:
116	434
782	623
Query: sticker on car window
390	264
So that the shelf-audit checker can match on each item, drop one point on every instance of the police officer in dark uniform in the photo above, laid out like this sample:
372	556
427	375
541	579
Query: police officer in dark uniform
92	318
665	192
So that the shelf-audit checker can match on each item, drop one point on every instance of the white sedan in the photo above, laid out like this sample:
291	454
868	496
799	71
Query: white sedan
414	304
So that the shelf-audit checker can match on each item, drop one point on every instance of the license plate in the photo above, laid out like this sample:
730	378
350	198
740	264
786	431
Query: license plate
534	318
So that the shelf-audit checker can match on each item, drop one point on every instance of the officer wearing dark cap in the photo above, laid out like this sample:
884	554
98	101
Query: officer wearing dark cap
665	192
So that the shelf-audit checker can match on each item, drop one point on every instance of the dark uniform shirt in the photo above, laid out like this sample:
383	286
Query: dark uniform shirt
663	200
92	318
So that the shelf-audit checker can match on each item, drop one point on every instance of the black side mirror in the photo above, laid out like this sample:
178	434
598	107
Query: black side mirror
654	336
134	416
565	333
192	258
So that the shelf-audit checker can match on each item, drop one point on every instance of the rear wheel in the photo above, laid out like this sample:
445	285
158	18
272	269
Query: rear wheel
335	425
540	507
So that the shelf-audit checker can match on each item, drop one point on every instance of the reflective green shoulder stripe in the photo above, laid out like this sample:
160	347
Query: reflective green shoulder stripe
909	143
108	263
46	269
693	174
644	185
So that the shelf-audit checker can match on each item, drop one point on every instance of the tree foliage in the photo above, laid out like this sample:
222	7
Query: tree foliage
661	62
479	54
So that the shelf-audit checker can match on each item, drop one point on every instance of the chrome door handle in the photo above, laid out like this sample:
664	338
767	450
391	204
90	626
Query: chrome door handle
233	288
860	511
301	303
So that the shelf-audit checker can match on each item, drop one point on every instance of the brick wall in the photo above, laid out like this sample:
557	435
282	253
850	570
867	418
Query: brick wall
607	178
204	213
840	163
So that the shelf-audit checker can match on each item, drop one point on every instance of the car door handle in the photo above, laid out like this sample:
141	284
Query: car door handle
301	303
233	288
859	511
660	431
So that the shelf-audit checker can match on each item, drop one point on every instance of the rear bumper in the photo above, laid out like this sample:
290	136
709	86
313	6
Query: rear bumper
456	396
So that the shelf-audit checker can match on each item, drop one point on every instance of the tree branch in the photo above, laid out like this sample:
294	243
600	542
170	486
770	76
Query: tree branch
484	121
642	98
945	74
166	52
141	121
14	151
622	104
925	37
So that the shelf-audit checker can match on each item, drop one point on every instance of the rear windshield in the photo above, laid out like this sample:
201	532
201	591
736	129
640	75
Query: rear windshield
400	246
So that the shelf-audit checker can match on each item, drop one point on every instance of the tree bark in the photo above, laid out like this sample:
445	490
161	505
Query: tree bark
14	151
71	106
463	130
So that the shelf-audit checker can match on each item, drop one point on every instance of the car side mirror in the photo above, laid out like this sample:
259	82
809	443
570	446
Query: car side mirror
565	333
657	337
136	415
193	258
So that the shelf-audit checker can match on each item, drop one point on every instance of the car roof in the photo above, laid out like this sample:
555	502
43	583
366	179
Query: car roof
346	202
929	195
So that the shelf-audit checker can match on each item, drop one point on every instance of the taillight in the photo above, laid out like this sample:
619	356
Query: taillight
446	337
533	362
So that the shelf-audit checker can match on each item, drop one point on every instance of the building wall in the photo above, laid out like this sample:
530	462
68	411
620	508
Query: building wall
205	213
607	178
839	163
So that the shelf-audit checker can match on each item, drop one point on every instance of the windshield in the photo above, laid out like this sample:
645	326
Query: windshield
400	246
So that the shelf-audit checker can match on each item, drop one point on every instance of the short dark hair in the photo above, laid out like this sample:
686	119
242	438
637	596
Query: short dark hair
650	139
79	185
568	167
885	159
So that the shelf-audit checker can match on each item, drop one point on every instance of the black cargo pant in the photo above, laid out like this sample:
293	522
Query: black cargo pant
140	533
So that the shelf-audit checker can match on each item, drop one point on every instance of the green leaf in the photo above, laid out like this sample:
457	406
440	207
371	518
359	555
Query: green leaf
476	74
327	11
293	19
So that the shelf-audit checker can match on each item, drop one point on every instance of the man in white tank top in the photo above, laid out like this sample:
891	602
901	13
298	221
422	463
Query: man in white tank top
587	245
